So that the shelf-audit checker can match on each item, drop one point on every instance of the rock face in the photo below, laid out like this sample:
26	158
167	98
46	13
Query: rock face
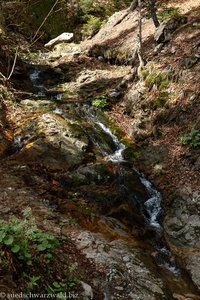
166	28
68	137
182	225
127	277
116	40
62	38
183	220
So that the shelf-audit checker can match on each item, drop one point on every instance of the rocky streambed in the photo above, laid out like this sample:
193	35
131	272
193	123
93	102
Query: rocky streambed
66	159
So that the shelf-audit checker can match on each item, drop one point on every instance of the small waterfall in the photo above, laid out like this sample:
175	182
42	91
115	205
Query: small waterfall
34	76
117	156
152	206
165	259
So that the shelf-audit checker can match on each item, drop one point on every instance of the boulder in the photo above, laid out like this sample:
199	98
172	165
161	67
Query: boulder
117	40
62	38
193	267
127	276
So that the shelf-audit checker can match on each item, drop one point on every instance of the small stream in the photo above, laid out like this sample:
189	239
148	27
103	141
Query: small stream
150	208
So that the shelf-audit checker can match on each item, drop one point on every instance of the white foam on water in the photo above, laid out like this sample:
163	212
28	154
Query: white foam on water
153	204
34	75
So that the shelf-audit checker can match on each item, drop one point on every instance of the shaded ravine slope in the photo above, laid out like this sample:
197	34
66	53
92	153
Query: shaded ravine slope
54	163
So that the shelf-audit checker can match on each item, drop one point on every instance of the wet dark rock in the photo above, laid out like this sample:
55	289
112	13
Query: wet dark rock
47	76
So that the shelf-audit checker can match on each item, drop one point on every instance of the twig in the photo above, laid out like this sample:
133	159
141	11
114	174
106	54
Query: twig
13	67
14	63
56	2
35	41
4	77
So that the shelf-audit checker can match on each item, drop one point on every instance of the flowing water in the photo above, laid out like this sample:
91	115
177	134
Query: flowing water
151	208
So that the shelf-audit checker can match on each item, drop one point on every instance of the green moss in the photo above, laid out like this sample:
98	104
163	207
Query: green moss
100	101
92	26
168	13
132	151
197	24
192	138
155	78
161	100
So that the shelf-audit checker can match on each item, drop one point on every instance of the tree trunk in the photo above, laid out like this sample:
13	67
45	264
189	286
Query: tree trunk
139	40
152	8
133	5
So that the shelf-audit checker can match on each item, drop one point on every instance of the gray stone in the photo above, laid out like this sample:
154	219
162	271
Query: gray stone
62	38
87	291
193	267
164	31
126	273
114	94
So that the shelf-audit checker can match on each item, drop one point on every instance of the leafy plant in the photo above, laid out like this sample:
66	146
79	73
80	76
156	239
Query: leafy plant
155	78
100	102
33	282
23	238
161	100
59	288
192	138
168	13
92	26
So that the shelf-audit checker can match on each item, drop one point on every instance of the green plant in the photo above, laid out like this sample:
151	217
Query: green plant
155	78
72	221
161	100
59	288
168	13
92	26
100	101
197	24
33	282
24	239
192	138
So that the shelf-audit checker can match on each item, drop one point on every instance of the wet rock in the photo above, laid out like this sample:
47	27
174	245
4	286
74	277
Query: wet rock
38	105
114	94
182	223
113	227
64	135
193	267
164	31
127	277
95	173
62	38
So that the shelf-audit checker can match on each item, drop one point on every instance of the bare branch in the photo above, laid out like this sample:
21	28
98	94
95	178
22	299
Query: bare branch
14	63
45	19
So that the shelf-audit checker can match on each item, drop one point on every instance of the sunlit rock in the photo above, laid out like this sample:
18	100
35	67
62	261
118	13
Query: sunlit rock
62	38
